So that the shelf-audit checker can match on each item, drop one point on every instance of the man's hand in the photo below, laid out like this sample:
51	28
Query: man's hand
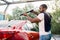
25	14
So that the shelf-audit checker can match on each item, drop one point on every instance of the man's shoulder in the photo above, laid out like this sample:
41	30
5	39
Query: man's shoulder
41	14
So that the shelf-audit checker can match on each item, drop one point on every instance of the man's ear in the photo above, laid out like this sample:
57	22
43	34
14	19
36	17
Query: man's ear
45	9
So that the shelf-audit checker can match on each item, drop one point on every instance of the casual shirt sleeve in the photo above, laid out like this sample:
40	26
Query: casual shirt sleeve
40	16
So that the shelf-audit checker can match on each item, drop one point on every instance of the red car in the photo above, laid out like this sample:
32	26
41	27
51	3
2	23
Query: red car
18	33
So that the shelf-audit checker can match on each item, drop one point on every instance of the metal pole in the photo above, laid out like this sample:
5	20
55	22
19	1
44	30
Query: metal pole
5	11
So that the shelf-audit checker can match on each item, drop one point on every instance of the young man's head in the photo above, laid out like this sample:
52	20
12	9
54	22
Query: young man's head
42	8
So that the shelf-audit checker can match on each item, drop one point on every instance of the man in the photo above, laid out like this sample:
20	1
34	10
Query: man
44	20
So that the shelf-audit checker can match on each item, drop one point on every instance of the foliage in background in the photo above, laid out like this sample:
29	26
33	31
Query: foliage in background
18	11
56	19
56	22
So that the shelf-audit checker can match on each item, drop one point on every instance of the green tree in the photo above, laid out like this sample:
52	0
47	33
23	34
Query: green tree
18	11
56	22
56	19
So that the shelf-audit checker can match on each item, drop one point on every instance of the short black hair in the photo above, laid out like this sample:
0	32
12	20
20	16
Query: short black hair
44	6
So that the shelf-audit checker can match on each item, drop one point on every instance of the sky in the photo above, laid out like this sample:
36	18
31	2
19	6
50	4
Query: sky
36	5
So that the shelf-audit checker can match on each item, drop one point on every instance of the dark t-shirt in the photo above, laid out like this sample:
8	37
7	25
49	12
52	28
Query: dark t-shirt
47	22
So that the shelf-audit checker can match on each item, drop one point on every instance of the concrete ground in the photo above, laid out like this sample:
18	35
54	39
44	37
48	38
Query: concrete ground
55	37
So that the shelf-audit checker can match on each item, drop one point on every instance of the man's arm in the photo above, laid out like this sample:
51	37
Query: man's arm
33	20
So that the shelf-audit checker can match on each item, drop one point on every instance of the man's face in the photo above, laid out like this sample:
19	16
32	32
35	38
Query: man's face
41	9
